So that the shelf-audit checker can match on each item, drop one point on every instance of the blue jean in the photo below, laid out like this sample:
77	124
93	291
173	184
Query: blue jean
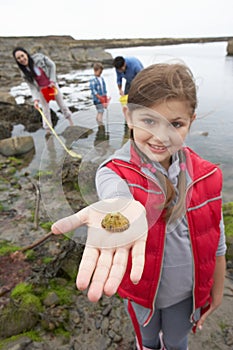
173	322
99	107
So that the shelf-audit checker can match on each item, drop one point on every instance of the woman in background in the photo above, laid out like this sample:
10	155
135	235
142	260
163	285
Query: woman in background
39	71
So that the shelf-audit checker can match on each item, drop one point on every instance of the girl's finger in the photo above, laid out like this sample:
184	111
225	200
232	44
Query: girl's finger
117	271
201	321
100	275
71	222
138	260
87	267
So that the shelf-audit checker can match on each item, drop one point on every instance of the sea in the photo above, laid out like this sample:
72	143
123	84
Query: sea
211	134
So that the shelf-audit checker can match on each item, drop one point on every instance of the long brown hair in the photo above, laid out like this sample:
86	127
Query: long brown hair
162	82
156	84
29	73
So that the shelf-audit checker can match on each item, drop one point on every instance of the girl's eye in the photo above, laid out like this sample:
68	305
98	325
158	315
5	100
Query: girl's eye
149	121
176	124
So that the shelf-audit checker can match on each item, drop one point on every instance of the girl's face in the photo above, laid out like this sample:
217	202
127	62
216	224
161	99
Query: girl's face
160	131
21	57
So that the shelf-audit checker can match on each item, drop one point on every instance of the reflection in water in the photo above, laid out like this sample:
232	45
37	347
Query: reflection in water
101	135
74	133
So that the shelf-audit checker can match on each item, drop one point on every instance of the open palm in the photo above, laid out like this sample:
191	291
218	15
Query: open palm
106	254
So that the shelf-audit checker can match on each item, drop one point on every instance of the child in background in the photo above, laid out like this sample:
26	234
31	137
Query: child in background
172	277
99	92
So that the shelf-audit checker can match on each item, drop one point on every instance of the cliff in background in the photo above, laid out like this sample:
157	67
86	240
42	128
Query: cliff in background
70	54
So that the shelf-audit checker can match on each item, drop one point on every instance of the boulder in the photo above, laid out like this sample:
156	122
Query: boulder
17	145
230	48
25	114
5	97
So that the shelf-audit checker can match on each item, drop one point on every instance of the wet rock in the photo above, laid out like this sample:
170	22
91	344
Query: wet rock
19	344
229	336
51	299
204	133
15	320
25	115
17	145
74	133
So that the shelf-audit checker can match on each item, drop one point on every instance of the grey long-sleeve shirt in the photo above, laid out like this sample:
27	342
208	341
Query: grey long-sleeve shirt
48	66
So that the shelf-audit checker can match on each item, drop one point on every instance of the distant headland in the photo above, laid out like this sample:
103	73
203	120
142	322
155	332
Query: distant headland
71	54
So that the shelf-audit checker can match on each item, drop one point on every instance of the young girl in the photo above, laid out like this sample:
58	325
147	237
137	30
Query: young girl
172	278
39	72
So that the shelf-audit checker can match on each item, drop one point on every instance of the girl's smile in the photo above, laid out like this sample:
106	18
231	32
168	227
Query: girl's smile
157	149
160	131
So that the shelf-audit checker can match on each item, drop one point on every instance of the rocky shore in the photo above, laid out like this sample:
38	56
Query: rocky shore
70	54
40	307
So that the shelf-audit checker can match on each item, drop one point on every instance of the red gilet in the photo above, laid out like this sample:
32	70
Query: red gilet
203	210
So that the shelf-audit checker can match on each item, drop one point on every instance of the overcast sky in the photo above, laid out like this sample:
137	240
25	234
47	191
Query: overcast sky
96	19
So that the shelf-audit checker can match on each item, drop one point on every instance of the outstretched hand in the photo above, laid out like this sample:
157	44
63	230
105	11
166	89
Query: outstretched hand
106	254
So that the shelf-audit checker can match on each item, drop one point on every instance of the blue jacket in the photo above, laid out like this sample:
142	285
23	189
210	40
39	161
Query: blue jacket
97	88
133	67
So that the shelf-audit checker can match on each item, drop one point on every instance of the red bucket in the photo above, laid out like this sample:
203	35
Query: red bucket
105	100
49	93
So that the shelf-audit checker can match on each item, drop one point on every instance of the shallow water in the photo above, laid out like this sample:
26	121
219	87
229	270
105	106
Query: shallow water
213	72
